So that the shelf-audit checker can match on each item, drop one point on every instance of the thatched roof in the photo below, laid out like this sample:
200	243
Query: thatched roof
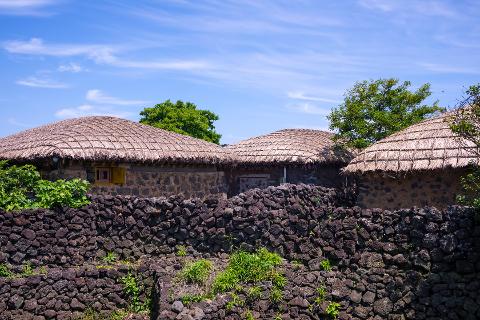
427	145
290	146
108	139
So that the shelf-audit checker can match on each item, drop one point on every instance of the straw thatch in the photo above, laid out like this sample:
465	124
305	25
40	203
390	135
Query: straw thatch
290	146
101	138
427	145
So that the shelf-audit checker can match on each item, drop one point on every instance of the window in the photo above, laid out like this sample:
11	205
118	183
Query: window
103	175
110	175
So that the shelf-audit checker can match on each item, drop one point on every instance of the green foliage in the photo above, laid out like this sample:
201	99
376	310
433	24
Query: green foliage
245	267
5	271
373	110
254	293
277	317
197	272
235	301
332	310
182	117
325	264
466	123
191	298
27	270
70	193
249	315
109	258
321	294
181	251
22	188
133	290
276	295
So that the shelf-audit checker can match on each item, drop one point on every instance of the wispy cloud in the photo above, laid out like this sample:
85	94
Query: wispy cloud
97	96
308	108
71	67
100	54
410	7
26	7
35	82
298	95
90	110
440	68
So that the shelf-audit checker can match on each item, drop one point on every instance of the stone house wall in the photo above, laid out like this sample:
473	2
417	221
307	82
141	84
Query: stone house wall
241	179
149	180
437	188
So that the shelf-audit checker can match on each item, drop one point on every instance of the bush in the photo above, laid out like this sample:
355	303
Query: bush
21	187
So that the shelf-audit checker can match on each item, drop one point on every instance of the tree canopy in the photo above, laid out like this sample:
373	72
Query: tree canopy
466	123
373	110
184	118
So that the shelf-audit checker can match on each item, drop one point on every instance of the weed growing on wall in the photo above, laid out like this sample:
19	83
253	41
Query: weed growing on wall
197	272
5	271
326	265
332	310
109	258
22	188
133	290
181	251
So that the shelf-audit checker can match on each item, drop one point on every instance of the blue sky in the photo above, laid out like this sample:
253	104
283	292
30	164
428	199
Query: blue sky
260	65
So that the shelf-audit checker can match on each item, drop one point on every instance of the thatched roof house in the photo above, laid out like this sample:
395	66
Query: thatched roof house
101	138
289	155
428	145
290	146
120	156
420	165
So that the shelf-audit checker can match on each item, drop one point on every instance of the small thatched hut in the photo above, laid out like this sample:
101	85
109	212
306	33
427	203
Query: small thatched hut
420	165
287	156
119	156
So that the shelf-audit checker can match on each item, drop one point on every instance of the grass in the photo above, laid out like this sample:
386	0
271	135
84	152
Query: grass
27	271
249	315
254	293
276	295
245	267
191	298
197	272
90	314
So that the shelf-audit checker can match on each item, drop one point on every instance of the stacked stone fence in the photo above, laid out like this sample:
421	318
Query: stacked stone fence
419	263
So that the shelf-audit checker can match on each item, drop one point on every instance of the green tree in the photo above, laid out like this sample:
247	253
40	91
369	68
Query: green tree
373	110
466	123
182	117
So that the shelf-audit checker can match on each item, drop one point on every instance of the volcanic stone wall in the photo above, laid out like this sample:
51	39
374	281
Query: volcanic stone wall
408	264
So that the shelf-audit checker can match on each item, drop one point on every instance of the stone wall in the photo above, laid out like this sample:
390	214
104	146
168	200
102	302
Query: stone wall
437	188
407	264
241	179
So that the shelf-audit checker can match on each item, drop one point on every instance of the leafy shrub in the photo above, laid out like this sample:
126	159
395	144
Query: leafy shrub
71	193
133	290
245	267
21	187
197	272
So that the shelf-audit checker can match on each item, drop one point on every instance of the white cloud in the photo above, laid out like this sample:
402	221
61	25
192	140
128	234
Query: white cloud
71	67
309	108
35	82
298	95
99	97
89	110
383	5
100	54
